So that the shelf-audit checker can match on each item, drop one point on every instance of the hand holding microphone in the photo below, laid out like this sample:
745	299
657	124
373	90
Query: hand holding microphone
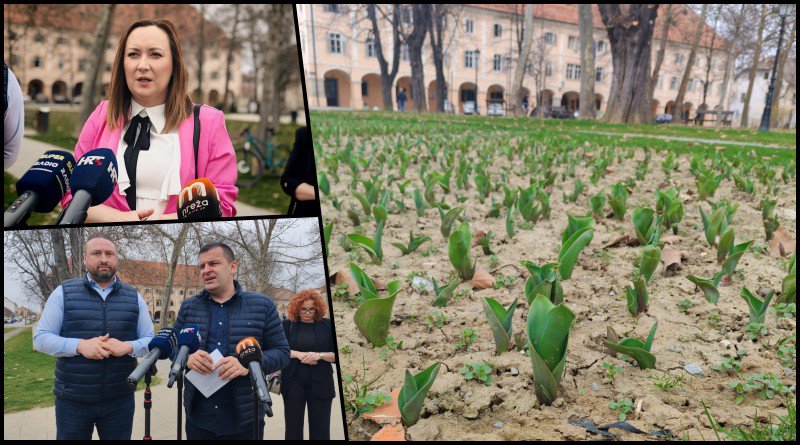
92	184
41	187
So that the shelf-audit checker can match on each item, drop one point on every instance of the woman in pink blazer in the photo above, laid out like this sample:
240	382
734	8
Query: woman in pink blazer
148	122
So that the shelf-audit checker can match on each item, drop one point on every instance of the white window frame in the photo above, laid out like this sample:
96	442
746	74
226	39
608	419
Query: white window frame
497	30
573	43
550	38
573	71
497	62
469	26
334	39
469	59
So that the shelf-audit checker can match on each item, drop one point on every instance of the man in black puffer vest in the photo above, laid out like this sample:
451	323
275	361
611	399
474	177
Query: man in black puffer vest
227	314
95	326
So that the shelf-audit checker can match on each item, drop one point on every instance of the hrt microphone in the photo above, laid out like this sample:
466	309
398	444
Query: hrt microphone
199	199
248	351
41	187
92	184
160	347
189	342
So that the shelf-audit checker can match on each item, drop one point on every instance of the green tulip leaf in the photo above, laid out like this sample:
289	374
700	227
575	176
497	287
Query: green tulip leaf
412	394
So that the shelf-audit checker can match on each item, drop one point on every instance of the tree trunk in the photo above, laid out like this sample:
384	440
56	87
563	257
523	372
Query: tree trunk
438	25
687	73
76	251
60	265
630	35
737	29
754	68
98	61
201	46
710	58
587	105
519	72
387	75
662	49
177	246
229	58
776	95
415	41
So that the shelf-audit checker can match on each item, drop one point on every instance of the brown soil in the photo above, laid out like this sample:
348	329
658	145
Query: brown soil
508	409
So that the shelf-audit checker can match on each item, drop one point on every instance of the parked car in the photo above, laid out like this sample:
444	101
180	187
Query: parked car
551	112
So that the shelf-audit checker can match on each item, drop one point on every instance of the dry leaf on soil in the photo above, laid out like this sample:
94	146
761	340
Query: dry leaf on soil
781	244
482	280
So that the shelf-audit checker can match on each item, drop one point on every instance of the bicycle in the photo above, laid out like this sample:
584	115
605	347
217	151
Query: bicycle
256	158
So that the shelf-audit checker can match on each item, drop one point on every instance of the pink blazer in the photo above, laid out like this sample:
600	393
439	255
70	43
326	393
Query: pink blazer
216	159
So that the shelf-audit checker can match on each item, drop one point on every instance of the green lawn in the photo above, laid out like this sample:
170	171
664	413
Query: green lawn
359	123
266	194
10	194
28	375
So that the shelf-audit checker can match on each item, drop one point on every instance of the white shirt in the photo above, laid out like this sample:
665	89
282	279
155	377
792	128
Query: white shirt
157	169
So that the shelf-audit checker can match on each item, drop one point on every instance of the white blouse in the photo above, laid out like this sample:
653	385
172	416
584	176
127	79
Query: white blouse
157	169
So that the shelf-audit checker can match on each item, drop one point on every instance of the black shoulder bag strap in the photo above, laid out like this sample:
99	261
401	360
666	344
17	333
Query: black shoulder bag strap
196	141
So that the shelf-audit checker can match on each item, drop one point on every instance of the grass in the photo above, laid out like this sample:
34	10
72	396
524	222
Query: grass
784	428
357	123
266	194
10	194
28	375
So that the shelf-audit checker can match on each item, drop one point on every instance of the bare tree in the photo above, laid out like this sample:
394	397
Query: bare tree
438	26
754	67
709	53
97	57
687	72
388	73
668	21
630	34
232	46
177	243
276	45
201	47
522	64
587	106
414	38
778	117
735	22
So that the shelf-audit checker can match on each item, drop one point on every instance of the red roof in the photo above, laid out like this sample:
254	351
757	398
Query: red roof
151	273
84	18
681	32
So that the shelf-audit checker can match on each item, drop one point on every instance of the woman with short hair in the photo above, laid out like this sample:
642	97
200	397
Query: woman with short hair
148	121
308	379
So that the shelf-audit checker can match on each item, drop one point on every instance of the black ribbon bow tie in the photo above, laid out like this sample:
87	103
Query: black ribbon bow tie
132	153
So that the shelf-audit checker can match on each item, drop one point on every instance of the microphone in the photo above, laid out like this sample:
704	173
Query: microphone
92	184
188	341
249	354
199	199
160	347
41	187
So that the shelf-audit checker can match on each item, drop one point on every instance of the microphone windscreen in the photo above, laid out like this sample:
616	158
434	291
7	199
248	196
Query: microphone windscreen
49	178
190	336
96	173
248	350
166	339
199	199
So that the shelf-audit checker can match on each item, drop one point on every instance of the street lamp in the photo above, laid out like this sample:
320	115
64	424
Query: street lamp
784	10
477	60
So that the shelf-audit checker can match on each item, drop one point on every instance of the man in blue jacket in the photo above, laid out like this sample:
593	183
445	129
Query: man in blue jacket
227	314
95	325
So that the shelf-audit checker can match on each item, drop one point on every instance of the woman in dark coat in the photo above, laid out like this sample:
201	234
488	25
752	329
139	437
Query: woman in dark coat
308	379
299	179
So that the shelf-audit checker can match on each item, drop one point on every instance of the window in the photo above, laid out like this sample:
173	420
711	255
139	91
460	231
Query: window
181	292
690	86
364	89
171	303
573	43
741	99
158	303
497	62
38	38
673	84
548	69
602	46
678	58
37	62
469	26
335	43
573	71
61	40
82	64
660	82
371	48
469	59
498	30
766	75
598	75
214	75
404	52
336	9
60	64
550	38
